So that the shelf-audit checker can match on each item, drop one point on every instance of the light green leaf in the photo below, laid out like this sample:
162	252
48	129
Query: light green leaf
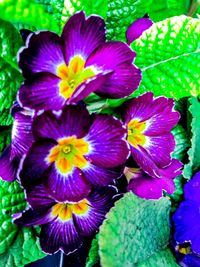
10	77
169	55
121	14
182	142
162	9
93	256
194	152
163	258
47	14
24	249
134	230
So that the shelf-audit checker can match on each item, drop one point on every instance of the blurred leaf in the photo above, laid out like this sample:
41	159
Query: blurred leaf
169	55
93	257
133	231
5	138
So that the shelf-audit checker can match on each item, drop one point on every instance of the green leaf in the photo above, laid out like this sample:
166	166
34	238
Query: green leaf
93	256
47	14
15	242
162	258
169	55
194	152
10	77
134	230
162	9
24	249
121	14
182	142
5	138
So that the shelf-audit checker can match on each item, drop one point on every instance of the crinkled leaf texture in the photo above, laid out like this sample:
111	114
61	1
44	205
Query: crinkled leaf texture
121	14
194	152
182	142
47	14
163	9
169	55
18	246
134	230
10	77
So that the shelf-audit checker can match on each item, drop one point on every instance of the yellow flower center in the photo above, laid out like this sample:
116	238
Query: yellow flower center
68	153
73	75
135	133
64	211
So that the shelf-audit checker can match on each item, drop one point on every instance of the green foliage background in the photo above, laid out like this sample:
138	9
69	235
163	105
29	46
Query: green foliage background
136	232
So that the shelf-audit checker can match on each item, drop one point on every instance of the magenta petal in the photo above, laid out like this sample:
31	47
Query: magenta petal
59	235
67	187
8	166
118	57
41	92
43	53
137	28
107	140
81	36
72	121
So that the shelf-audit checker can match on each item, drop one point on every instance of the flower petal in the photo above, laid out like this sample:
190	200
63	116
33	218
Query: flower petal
9	166
59	235
192	189
41	92
35	162
118	57
100	201
67	187
101	177
43	53
73	121
81	36
137	28
106	138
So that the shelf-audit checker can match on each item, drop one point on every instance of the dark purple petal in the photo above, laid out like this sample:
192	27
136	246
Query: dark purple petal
159	149
22	137
81	36
191	260
41	92
137	28
192	189
73	121
187	228
106	138
8	166
35	162
89	86
101	177
37	196
118	57
100	202
59	235
67	187
43	53
158	112
32	217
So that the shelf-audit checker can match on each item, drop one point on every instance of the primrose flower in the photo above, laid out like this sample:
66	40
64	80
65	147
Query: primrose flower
64	224
21	141
73	151
149	122
148	187
136	29
66	69
187	216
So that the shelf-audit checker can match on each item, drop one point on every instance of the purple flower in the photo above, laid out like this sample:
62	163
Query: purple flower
149	121
136	29
187	216
66	69
74	150
64	224
21	141
148	187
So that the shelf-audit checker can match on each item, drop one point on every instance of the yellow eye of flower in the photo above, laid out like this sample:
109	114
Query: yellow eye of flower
73	75
135	133
66	149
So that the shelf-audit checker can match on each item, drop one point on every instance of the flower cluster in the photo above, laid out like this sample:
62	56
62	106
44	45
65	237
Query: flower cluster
66	159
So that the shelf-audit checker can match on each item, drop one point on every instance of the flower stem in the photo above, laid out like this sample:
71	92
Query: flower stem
61	259
193	7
